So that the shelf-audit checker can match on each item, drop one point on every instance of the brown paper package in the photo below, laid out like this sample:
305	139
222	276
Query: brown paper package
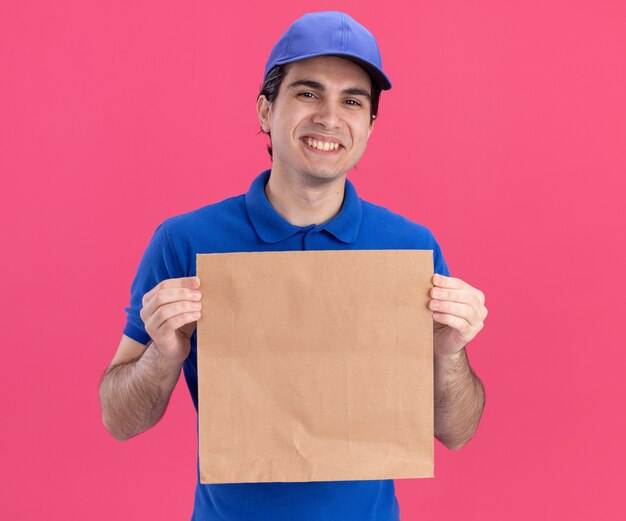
315	366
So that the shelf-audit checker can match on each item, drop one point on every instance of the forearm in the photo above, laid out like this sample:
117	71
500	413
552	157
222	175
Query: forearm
135	394
459	400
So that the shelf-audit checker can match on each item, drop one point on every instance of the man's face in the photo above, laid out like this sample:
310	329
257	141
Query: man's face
320	119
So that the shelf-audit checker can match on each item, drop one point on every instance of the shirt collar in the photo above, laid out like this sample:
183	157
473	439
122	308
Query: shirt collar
271	227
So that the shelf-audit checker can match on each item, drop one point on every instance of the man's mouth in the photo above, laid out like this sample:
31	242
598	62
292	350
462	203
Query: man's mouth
321	145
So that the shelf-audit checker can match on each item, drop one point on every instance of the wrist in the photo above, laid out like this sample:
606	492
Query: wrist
163	357
450	358
162	367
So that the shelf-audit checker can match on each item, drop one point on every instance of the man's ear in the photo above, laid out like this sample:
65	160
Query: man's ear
263	111
369	131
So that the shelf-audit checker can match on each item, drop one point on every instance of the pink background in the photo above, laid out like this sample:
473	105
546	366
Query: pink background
505	133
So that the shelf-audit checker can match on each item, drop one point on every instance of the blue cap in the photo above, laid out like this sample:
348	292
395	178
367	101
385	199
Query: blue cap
329	33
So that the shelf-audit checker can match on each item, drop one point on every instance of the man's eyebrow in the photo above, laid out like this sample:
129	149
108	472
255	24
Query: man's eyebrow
356	91
307	83
352	91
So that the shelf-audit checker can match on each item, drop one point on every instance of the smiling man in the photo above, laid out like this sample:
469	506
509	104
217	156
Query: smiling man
319	122
318	104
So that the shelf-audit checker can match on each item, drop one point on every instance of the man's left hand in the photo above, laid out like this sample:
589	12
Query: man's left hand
459	313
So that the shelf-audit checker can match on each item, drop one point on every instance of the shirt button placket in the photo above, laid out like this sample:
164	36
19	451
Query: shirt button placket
308	240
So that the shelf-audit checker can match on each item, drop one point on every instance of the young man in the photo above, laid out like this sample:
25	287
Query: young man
318	105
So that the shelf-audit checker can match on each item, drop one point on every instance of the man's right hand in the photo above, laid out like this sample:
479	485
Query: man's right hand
170	311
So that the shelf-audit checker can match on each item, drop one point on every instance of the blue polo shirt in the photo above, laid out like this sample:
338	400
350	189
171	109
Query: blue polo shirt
248	222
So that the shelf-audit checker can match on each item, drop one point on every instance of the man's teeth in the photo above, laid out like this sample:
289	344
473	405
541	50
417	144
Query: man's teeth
321	145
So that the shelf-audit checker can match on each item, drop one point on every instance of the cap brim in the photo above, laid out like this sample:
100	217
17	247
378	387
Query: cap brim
379	77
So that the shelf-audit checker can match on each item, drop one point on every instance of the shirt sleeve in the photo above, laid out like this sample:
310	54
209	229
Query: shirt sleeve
159	262
438	260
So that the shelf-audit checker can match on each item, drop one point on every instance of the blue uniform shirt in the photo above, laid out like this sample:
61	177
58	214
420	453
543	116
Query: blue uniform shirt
248	222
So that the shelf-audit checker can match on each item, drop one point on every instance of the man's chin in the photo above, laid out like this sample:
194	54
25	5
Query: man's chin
327	173
323	175
313	174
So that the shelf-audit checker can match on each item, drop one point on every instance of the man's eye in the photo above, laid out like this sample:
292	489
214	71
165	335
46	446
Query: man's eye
306	94
353	102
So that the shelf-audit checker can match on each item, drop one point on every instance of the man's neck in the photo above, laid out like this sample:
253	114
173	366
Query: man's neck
302	204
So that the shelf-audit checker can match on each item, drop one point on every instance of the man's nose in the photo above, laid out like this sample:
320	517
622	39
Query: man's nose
327	115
